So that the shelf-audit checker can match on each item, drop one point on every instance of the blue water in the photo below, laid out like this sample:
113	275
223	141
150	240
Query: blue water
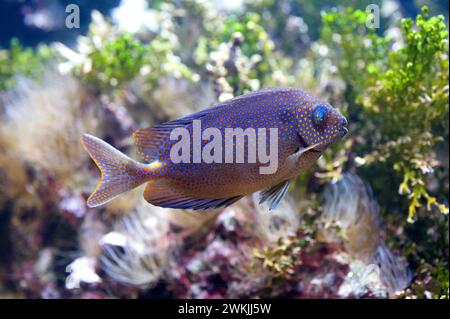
42	21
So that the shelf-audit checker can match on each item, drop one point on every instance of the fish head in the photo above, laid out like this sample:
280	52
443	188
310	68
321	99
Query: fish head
320	124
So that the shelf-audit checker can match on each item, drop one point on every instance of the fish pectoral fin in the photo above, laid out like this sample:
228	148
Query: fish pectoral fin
296	156
274	194
158	193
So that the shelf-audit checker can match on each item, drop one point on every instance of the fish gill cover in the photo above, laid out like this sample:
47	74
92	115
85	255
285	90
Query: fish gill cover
368	219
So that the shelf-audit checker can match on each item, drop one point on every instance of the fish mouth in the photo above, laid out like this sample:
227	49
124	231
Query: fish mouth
304	145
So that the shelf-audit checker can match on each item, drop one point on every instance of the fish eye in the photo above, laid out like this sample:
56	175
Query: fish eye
320	116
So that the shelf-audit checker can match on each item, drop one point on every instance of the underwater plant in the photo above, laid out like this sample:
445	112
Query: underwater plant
241	57
401	94
19	61
108	58
398	104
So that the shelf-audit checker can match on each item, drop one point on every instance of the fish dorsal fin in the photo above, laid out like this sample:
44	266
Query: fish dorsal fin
158	193
273	195
150	140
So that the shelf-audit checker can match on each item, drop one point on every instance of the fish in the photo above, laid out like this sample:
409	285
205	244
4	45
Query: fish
304	125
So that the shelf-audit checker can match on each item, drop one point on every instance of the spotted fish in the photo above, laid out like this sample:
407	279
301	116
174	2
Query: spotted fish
305	127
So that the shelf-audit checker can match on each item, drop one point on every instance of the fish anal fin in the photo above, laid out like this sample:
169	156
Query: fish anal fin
159	193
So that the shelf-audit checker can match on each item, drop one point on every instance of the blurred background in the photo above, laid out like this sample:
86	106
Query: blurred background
369	220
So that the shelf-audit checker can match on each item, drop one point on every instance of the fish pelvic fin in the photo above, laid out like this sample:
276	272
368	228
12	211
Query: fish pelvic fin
273	195
119	173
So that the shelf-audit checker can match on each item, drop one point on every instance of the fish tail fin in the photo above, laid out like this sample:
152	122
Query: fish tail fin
119	173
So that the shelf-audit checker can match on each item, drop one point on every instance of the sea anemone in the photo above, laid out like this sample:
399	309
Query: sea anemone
271	225
44	120
137	251
350	205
